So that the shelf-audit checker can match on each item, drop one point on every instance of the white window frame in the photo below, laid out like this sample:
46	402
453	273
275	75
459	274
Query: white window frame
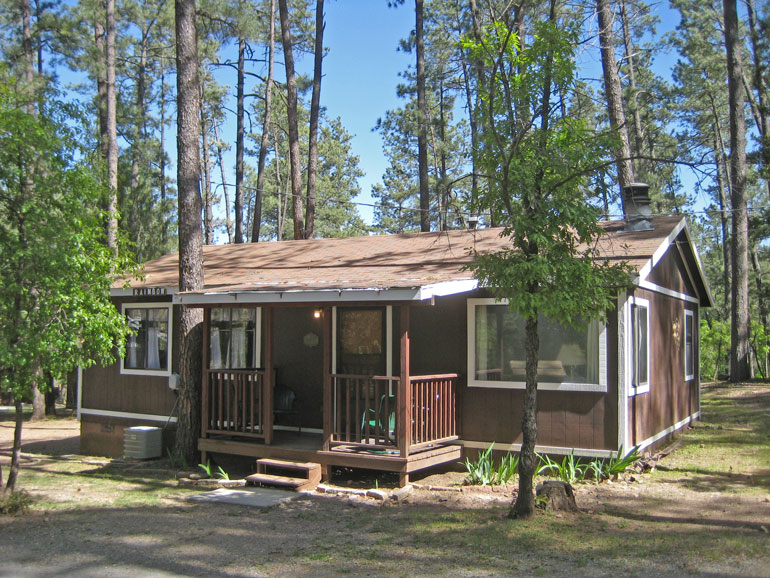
630	349
154	372
689	314
600	387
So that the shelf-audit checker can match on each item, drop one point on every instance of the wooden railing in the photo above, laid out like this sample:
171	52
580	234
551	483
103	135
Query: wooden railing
433	409
364	410
233	402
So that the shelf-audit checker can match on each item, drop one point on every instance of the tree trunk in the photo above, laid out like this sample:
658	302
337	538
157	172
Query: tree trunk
614	95
291	111
162	154
740	366
101	89
724	227
13	472
111	115
422	137
225	191
263	143
633	101
208	202
190	234
524	506
239	136
315	109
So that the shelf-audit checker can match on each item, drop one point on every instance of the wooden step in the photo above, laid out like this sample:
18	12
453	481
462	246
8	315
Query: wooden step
310	472
264	463
297	484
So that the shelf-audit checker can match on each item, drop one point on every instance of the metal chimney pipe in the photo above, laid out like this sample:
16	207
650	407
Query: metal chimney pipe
636	202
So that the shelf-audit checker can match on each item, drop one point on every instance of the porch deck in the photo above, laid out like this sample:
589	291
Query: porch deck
308	447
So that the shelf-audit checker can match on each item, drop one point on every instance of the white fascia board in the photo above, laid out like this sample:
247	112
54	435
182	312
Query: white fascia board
331	295
446	288
661	250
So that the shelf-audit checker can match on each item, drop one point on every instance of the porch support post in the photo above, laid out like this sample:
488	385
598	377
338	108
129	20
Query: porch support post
327	399
404	390
205	361
267	418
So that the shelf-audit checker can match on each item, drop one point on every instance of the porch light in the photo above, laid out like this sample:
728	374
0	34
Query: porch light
317	313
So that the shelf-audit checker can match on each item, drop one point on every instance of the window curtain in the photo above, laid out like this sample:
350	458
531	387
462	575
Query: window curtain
216	349
153	342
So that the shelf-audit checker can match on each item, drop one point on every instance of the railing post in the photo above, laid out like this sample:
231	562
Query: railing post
269	375
205	423
328	369
404	419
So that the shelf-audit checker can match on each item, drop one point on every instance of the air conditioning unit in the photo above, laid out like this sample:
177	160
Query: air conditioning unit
142	442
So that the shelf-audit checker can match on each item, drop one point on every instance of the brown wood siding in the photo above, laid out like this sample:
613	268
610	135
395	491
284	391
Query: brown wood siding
106	388
671	399
565	419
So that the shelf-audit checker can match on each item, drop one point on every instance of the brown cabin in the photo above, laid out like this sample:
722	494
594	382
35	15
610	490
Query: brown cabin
383	352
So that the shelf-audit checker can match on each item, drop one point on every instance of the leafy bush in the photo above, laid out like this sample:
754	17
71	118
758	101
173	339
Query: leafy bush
714	348
15	504
483	472
570	469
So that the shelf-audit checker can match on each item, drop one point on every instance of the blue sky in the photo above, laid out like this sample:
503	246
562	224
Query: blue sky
361	72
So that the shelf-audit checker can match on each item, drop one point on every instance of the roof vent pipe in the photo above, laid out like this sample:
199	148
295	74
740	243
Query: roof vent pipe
636	202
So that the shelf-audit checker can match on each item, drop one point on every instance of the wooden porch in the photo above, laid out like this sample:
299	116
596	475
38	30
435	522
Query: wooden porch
397	423
365	429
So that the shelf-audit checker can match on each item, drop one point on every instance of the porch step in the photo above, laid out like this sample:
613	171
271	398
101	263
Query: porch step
310	471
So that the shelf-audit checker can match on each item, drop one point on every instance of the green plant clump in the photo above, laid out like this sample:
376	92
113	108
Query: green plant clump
15	504
221	474
206	468
612	467
570	469
484	472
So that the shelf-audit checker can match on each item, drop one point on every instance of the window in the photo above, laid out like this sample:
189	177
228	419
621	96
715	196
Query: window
234	338
570	358
640	345
149	345
689	344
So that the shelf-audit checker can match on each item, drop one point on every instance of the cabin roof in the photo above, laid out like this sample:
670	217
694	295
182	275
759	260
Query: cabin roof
406	266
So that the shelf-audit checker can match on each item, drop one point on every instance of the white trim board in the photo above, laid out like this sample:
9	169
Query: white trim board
664	291
126	415
669	430
554	450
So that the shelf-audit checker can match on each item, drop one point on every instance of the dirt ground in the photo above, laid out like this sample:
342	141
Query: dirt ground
459	531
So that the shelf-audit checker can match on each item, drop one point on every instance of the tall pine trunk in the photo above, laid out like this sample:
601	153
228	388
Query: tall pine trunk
291	106
239	140
263	142
315	109
190	234
740	366
422	133
111	115
613	92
